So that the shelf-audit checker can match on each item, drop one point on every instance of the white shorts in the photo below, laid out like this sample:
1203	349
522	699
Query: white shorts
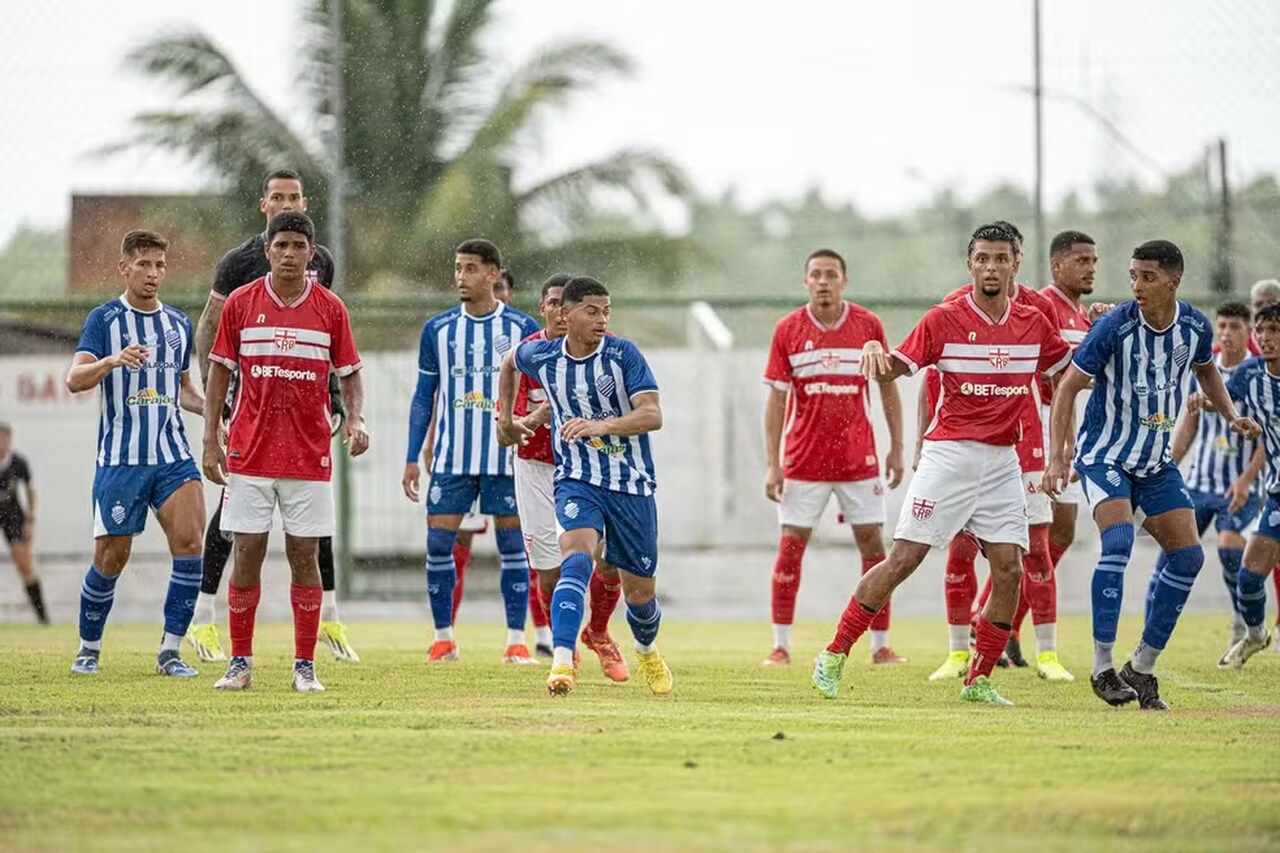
861	501
536	503
306	506
1073	493
1039	506
965	485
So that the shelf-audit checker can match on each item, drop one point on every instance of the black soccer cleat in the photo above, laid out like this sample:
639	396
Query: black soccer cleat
1145	686
1108	687
1013	651
542	650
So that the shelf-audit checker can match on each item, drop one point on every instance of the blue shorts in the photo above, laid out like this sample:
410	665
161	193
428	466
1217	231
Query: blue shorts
454	494
628	523
122	493
1213	508
1158	492
1269	521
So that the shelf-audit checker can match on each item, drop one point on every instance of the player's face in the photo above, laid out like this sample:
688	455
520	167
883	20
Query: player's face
1268	334
552	315
825	282
1074	269
282	194
992	265
143	271
475	280
1233	335
1151	285
588	320
502	290
289	253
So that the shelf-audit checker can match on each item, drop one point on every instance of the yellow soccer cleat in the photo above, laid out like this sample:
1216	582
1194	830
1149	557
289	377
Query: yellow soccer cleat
1050	668
656	672
204	638
955	666
334	635
561	680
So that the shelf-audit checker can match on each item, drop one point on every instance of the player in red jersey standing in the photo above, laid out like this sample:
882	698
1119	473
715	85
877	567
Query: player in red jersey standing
281	333
814	374
989	350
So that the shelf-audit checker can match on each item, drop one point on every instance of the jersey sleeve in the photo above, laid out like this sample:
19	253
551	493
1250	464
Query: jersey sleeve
324	267
1055	352
342	343
1204	345
225	275
523	353
226	343
21	469
636	373
1238	387
1096	348
777	370
921	348
427	359
93	339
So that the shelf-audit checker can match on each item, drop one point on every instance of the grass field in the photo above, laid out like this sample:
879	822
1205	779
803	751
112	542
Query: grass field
477	756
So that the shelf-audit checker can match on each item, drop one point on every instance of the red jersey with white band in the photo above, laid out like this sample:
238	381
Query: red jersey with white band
987	368
828	436
280	419
1071	319
529	395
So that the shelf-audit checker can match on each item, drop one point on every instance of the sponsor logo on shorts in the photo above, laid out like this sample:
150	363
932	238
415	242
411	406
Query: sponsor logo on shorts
571	510
1114	478
1160	422
993	389
275	371
877	489
831	388
646	562
474	400
435	494
149	397
511	501
117	514
1273	520
922	509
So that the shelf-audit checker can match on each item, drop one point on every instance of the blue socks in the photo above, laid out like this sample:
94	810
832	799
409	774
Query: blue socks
644	620
96	595
568	602
1108	581
180	601
514	579
1251	595
1172	588
1231	558
441	575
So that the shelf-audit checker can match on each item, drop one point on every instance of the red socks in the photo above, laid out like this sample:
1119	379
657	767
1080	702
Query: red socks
1055	553
786	579
461	556
1039	582
988	646
537	607
961	579
881	622
242	608
306	619
854	622
1275	577
604	598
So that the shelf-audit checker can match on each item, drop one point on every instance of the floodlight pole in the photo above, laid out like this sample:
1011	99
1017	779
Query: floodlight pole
337	245
1038	98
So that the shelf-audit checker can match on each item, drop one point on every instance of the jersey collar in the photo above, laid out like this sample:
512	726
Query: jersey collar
1177	312
564	349
844	315
1056	291
302	297
968	298
125	302
496	312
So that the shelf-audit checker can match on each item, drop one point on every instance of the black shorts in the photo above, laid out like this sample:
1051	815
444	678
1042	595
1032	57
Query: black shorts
12	523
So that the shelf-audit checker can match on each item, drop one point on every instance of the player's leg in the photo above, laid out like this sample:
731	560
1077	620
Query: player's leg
960	585
799	510
248	507
15	532
333	633
448	499
498	499
1260	557
1207	509
1039	589
536	506
217	551
472	523
181	516
1062	530
862	507
580	515
631	549
604	592
307	514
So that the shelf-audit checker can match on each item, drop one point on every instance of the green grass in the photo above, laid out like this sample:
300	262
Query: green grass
477	756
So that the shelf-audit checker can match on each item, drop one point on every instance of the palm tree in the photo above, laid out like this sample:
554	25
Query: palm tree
434	138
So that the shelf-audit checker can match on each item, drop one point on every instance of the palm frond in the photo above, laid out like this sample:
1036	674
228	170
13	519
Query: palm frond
632	172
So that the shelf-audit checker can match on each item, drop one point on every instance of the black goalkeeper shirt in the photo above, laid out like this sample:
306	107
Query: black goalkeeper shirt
248	262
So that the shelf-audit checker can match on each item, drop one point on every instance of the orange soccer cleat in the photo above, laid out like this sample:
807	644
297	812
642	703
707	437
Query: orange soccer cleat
443	651
780	656
518	654
887	655
612	664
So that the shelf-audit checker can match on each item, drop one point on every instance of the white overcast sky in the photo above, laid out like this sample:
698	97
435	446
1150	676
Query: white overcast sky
878	103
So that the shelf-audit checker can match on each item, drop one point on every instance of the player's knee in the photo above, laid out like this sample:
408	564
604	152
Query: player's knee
1117	540
110	553
186	543
1186	562
577	565
440	542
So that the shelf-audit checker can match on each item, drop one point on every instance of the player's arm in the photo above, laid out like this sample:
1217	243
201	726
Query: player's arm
1184	434
354	434
539	417
87	370
1215	392
881	366
645	416
189	396
891	401
214	458
510	430
206	330
775	414
28	526
1062	417
1238	492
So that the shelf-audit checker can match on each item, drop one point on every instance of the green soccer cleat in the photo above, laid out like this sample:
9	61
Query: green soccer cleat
1050	668
955	666
982	692
827	668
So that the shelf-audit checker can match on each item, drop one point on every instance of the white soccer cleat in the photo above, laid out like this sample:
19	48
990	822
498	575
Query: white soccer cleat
239	676
304	677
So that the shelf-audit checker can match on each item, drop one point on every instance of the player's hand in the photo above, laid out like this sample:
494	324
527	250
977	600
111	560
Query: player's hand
133	356
409	482
355	437
1237	494
1247	427
214	463
875	361
513	432
773	483
1055	478
1196	401
577	428
1097	309
893	468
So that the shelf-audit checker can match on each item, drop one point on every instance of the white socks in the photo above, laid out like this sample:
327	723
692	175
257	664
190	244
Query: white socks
958	638
204	614
329	607
1046	637
514	637
542	636
444	634
782	637
879	640
645	649
170	642
1102	657
561	656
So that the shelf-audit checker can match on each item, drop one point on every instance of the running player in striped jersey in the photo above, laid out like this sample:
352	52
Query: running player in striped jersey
1140	358
1224	465
137	350
1262	294
604	403
459	357
1256	387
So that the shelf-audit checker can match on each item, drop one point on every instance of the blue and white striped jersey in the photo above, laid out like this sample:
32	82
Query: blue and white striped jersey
464	354
602	385
140	423
1140	381
1218	455
1257	390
